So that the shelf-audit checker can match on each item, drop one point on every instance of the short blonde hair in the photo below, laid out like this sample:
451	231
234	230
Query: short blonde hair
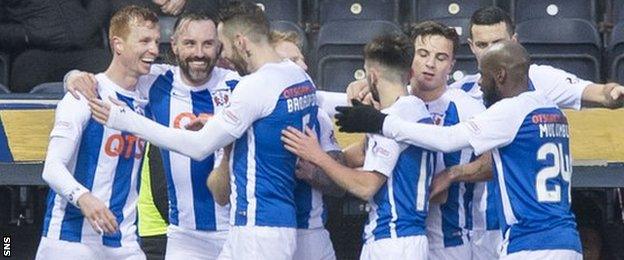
288	36
130	15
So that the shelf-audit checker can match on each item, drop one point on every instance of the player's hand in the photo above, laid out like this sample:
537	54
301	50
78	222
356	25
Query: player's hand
304	145
83	83
173	7
359	119
616	92
196	124
100	217
357	90
100	110
439	186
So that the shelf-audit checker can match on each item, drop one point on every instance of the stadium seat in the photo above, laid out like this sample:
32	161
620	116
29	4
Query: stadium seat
524	10
616	54
282	10
339	10
48	88
4	68
422	10
4	89
569	44
285	26
618	11
340	50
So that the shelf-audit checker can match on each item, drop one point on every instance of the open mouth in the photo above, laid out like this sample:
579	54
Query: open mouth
148	61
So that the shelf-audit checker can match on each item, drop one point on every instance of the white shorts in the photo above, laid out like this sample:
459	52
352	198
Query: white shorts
191	244
559	254
271	243
314	244
53	249
450	253
486	244
412	247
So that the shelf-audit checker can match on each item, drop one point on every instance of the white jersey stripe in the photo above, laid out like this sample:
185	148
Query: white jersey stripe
510	218
251	177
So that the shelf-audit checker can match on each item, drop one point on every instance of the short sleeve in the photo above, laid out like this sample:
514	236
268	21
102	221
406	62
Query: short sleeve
328	101
382	154
71	117
327	138
563	88
246	106
493	128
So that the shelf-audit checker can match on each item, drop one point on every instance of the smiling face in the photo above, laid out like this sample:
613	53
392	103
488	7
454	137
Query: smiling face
196	48
433	61
139	49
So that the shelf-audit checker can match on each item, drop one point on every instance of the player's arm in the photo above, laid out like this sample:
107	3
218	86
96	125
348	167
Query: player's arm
317	178
71	118
362	184
219	179
610	95
475	171
224	128
355	153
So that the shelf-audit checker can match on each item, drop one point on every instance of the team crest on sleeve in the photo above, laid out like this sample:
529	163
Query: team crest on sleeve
221	98
380	151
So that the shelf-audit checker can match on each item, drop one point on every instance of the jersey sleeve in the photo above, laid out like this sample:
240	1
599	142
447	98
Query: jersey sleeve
247	104
327	138
382	154
71	117
495	127
563	88
328	101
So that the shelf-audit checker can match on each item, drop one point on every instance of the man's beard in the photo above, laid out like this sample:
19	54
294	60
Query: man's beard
197	75
239	63
491	97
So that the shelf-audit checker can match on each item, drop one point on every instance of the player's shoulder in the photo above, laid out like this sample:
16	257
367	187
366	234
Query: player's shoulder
524	103
410	108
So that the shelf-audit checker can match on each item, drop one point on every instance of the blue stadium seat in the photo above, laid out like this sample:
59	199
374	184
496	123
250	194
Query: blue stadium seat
285	26
616	54
422	10
48	88
524	10
4	89
340	50
618	11
282	10
5	63
338	10
570	44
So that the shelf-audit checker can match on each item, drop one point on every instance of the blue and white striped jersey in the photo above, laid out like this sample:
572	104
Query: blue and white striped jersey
532	166
400	206
311	213
105	161
174	104
563	88
448	223
263	172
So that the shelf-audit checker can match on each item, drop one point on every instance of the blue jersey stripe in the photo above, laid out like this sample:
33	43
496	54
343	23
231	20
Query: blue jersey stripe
468	86
203	202
303	202
450	209
240	157
491	211
48	214
159	103
86	165
122	180
468	196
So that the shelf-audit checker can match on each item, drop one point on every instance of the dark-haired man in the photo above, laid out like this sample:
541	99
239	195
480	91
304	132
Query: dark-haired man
274	93
529	139
395	176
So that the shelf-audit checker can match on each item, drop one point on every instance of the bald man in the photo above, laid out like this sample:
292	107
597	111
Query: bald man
529	139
